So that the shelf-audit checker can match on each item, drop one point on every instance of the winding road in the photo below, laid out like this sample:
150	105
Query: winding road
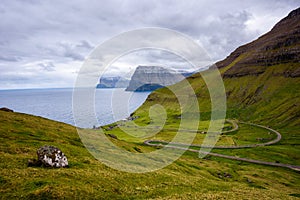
160	143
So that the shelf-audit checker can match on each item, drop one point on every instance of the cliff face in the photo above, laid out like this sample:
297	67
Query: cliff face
279	46
147	78
113	82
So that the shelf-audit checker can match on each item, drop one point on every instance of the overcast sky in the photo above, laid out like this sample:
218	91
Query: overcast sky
44	43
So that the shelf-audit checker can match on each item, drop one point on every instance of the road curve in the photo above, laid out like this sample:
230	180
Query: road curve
277	139
160	143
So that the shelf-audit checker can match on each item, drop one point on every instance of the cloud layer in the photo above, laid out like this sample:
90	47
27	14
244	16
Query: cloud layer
43	43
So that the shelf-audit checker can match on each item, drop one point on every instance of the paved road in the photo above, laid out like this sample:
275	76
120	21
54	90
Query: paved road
160	143
277	139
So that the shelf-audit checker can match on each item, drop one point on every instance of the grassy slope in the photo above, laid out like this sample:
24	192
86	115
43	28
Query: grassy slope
188	177
269	99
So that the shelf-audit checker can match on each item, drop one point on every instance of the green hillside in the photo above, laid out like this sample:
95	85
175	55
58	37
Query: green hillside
86	178
266	93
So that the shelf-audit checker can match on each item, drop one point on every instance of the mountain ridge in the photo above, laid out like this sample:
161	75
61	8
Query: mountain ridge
279	45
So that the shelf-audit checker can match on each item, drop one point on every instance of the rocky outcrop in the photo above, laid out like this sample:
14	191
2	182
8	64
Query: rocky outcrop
148	78
49	156
6	109
113	82
279	46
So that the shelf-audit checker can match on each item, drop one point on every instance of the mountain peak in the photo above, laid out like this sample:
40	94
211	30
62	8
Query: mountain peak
289	21
294	13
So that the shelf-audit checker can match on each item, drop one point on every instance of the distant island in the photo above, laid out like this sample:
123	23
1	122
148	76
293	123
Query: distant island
113	82
145	78
148	78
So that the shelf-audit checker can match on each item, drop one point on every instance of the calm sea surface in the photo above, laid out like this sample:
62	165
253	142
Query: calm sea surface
56	104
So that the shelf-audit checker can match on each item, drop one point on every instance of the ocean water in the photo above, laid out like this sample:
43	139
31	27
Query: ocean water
56	104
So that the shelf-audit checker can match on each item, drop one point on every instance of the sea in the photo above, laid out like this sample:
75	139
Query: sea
56	104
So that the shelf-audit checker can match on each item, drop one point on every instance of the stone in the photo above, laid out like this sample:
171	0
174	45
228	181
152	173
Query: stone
224	175
131	118
249	180
111	127
50	156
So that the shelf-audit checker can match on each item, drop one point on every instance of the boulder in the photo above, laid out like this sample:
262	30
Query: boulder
49	156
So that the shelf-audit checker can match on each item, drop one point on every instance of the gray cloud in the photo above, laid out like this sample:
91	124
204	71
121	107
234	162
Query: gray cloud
64	32
9	58
47	66
69	51
84	44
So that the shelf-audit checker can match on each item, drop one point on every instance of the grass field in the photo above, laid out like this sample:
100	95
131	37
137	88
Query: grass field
189	177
